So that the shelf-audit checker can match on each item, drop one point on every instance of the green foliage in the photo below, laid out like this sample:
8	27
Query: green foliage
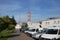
7	26
6	22
4	34
26	25
11	27
2	24
3	38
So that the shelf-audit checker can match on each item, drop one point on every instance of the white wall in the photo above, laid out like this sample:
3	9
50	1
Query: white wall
45	23
18	26
33	24
48	23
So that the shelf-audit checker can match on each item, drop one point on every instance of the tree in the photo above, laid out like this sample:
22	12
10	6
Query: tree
26	25
7	26
12	21
7	23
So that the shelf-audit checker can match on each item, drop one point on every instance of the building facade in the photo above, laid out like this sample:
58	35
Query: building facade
51	22
34	25
55	21
18	26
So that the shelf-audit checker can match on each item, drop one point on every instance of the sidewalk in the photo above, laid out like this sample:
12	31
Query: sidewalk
19	36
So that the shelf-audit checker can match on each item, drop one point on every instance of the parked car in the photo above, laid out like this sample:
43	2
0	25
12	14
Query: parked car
23	29
39	33
52	33
30	32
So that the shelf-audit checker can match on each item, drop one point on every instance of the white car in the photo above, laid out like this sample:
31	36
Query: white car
36	36
26	31
30	32
52	33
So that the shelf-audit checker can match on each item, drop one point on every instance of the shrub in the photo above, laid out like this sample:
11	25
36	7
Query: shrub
11	27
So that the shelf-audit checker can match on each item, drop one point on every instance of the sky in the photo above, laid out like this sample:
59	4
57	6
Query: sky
39	9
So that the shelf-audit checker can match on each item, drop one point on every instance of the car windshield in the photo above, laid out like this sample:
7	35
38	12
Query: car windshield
52	31
39	32
42	31
32	30
27	29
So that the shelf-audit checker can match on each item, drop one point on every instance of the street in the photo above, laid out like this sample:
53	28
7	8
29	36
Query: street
20	36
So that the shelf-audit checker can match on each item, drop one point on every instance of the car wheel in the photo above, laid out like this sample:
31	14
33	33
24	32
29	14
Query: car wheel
40	38
27	34
30	35
20	30
54	39
59	39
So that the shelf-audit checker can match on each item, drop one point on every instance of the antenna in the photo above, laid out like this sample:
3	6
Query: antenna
29	15
19	18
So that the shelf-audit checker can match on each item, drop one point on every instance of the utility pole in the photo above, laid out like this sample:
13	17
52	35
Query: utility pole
29	16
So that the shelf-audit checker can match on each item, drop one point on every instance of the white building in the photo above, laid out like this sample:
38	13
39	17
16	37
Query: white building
18	26
34	24
55	21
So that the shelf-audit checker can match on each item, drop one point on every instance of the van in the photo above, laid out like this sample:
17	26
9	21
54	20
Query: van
52	33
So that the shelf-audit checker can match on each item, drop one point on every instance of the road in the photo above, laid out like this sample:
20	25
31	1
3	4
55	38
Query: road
20	36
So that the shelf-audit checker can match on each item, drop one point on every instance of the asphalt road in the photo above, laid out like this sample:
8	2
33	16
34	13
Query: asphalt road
20	36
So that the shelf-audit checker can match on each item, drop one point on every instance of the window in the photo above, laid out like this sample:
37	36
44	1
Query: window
40	22
32	30
47	22
58	22
52	31
59	32
40	26
54	22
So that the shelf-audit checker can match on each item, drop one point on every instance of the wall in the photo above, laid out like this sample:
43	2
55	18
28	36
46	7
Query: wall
53	22
18	26
34	24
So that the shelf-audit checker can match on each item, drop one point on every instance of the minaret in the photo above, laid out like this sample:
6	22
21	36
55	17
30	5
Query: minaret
28	16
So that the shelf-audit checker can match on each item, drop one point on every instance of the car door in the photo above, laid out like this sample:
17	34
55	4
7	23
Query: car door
59	34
